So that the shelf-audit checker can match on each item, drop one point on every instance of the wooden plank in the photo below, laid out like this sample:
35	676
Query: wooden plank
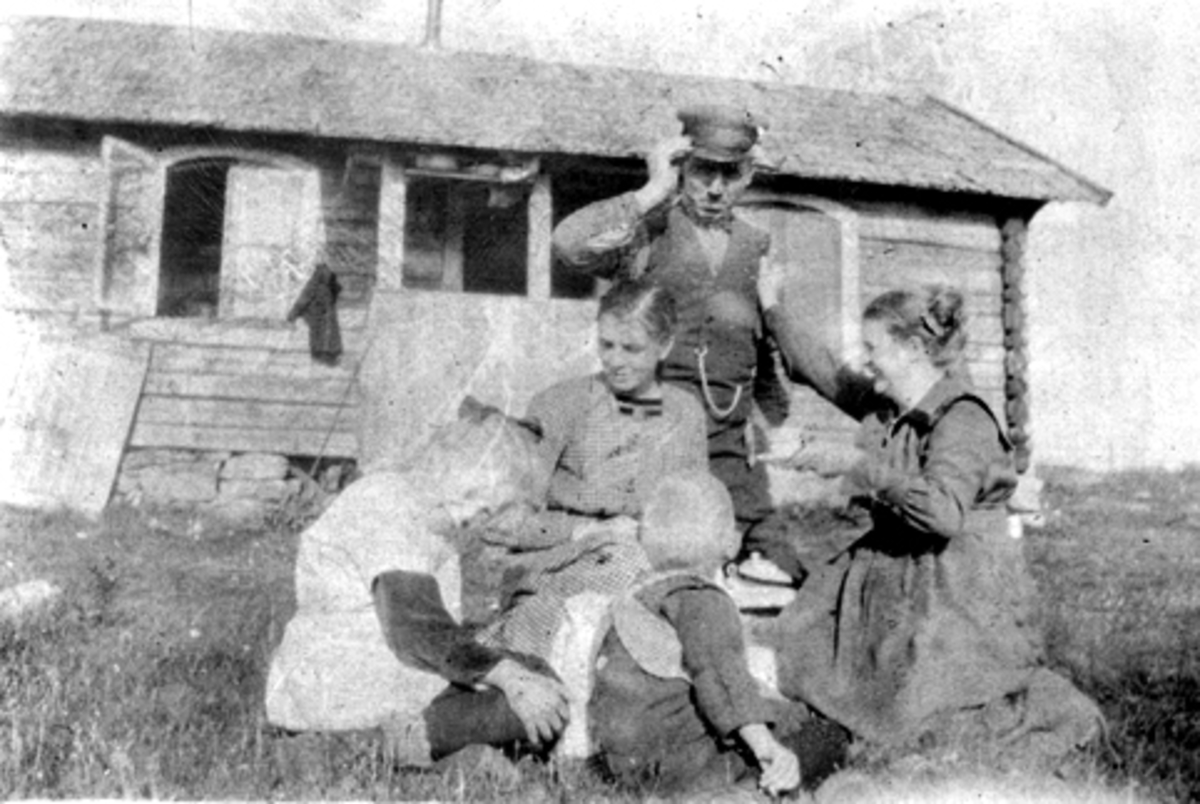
46	294
33	175
913	224
540	228
132	217
248	334
175	357
53	271
65	421
81	182
238	439
44	161
248	414
30	221
392	211
324	391
45	255
889	262
204	332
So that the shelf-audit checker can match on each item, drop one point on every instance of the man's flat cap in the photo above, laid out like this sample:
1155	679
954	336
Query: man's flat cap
720	133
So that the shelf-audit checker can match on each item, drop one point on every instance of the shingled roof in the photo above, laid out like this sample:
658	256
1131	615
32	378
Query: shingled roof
120	72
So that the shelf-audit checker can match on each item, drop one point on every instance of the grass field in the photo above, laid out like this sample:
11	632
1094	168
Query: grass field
145	679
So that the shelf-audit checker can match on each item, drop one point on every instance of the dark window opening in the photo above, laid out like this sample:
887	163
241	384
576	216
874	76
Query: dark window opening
466	236
425	227
572	191
193	230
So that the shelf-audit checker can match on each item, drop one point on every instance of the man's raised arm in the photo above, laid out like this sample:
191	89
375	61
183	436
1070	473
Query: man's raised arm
599	237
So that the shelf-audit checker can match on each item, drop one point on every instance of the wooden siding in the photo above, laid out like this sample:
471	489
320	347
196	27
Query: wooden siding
243	388
903	246
350	205
213	384
50	232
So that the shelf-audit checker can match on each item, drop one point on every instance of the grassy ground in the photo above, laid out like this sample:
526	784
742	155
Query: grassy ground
146	678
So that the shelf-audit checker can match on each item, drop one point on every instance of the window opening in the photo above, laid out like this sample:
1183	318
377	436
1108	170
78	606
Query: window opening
466	235
192	234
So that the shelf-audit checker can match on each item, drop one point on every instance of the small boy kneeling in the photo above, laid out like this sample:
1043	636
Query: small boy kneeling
674	707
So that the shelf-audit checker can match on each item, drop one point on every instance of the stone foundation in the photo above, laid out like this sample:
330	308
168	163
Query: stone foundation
236	486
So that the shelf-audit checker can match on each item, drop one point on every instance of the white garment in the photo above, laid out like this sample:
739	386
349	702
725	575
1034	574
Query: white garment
334	670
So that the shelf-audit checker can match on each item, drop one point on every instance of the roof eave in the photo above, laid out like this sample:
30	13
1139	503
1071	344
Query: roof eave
1091	192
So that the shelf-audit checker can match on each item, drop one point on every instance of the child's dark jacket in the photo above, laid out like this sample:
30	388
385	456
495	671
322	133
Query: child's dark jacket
644	724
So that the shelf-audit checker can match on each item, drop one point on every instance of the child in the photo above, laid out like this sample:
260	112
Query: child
674	706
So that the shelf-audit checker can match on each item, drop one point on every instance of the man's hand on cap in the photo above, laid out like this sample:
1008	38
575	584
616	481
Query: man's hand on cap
663	162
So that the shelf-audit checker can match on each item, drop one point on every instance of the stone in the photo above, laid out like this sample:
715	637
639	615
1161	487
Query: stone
136	459
265	490
178	484
255	466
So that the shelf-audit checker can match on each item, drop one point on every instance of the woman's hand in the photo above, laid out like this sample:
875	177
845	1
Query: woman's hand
780	768
663	162
540	702
870	476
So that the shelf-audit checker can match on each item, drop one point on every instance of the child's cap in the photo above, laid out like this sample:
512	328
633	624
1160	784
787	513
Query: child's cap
688	522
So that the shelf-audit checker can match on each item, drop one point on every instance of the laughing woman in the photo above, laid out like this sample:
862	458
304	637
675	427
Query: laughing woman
918	634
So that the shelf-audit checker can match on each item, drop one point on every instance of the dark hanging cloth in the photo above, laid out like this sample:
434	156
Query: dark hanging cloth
317	304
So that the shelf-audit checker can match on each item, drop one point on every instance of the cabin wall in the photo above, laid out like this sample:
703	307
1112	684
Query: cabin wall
218	386
50	230
214	386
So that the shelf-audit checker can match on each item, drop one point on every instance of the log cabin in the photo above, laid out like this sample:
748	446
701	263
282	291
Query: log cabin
177	187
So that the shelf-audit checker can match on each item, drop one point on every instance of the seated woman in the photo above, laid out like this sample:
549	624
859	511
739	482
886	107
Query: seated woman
918	632
609	437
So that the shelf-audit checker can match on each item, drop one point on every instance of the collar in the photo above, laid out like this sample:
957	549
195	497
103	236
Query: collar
944	390
639	409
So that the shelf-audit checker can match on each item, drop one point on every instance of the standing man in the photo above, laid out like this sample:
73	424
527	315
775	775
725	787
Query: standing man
680	230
